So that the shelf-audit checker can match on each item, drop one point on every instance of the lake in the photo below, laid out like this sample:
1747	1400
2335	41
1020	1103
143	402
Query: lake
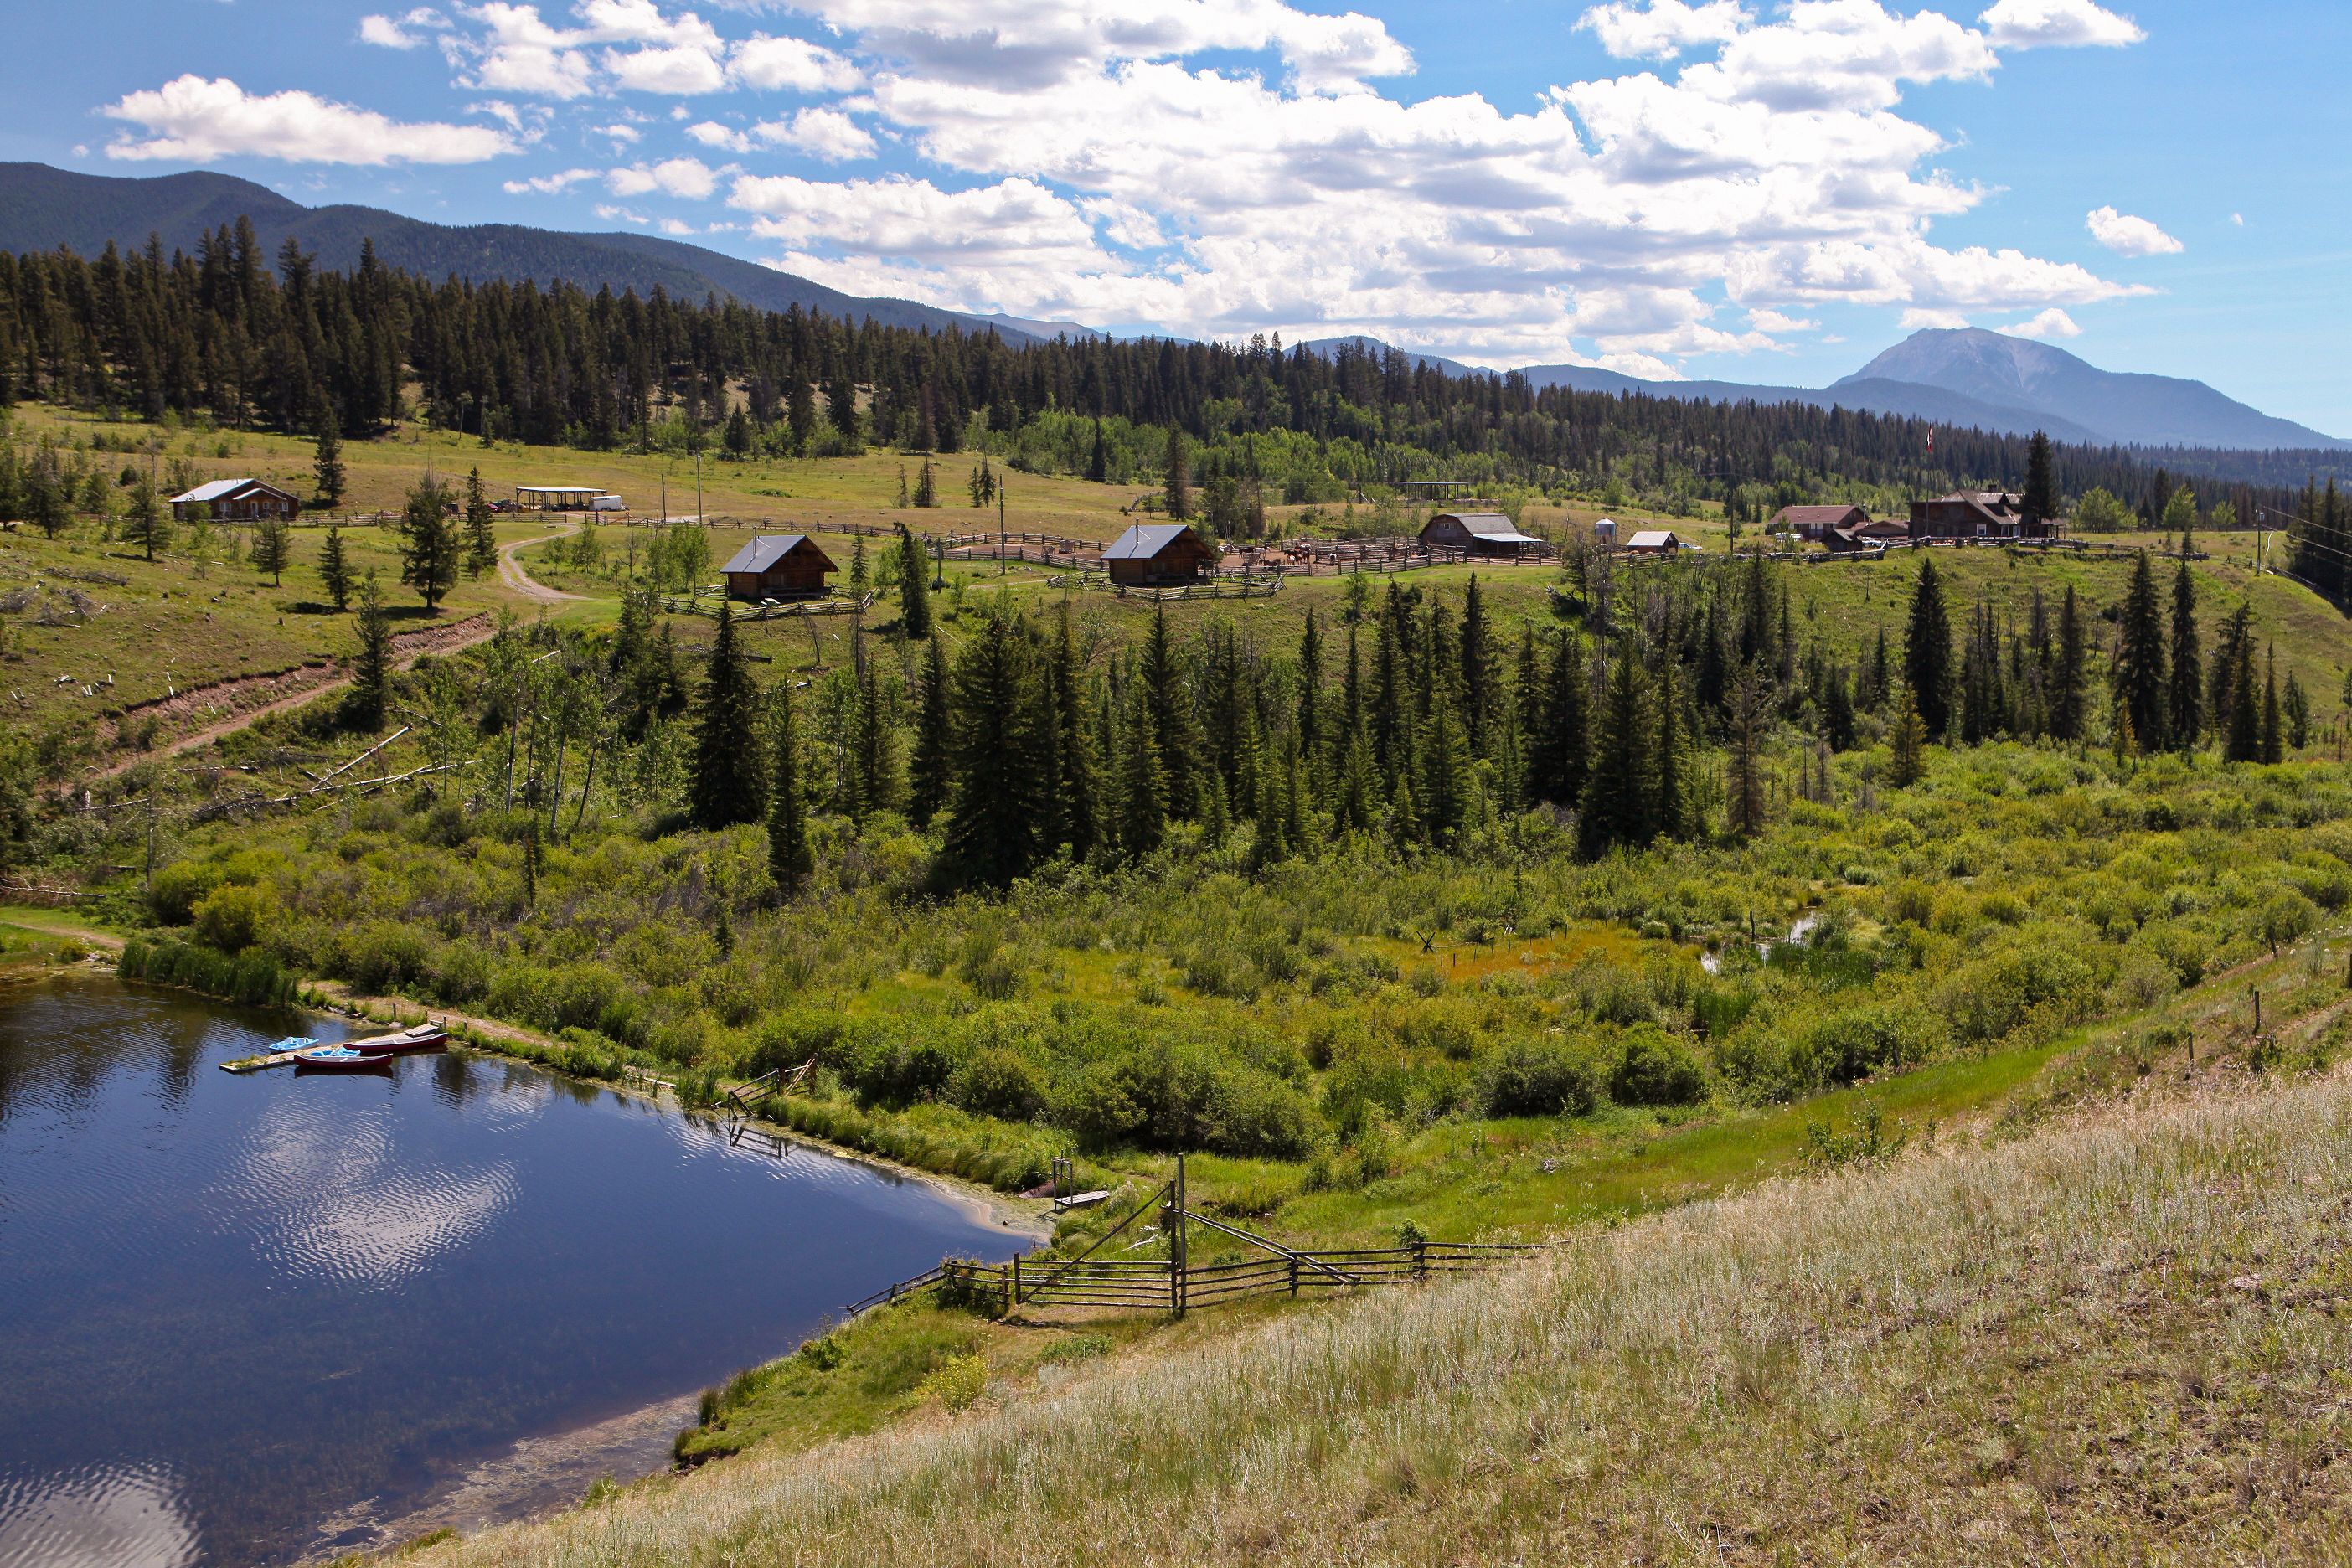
251	1318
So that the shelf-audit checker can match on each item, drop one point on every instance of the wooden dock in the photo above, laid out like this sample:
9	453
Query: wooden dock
257	1064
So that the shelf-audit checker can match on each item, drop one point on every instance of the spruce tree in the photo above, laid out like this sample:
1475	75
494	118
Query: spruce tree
1179	479
999	795
334	568
1308	725
800	415
1556	754
1174	725
1098	458
371	669
1837	712
148	523
481	543
1907	742
874	753
2297	705
729	782
1670	810
327	463
2245	727
1481	679
1142	783
2139	660
2070	676
791	857
2040	502
428	547
914	588
927	486
273	548
2186	718
1078	805
931	768
1617	788
1927	652
1445	796
1744	757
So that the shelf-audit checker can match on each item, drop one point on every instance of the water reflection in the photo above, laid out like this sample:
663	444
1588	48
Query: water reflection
245	1317
113	1516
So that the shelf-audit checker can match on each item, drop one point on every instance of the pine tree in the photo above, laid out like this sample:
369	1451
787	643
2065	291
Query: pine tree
914	588
273	548
2186	718
927	486
2139	660
1618	787
428	549
1927	653
2245	727
800	415
2273	735
1556	751
1907	744
1444	797
1670	810
791	857
1837	713
859	573
1308	723
1174	725
874	751
371	691
2221	682
148	524
1098	458
2070	677
1179	484
2040	502
729	782
931	768
1077	804
334	568
481	543
1481	681
327	476
841	402
2297	703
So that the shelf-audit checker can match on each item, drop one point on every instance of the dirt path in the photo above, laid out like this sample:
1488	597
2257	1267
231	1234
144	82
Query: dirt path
310	681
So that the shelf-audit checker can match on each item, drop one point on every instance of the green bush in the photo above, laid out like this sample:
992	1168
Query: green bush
178	887
234	916
1653	1068
999	1082
1537	1077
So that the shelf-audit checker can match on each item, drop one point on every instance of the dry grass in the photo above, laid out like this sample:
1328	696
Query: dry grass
2120	1339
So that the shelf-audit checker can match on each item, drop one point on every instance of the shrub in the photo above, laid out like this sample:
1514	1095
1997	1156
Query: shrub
1653	1068
957	1383
232	918
999	1082
1537	1077
173	895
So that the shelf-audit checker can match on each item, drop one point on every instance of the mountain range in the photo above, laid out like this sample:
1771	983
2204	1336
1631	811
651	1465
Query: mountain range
1964	377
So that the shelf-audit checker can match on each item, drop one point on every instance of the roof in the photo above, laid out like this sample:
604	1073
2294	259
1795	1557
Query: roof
1144	542
1652	539
557	490
764	552
218	490
1817	516
1488	525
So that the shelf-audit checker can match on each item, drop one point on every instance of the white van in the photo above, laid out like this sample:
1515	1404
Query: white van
608	503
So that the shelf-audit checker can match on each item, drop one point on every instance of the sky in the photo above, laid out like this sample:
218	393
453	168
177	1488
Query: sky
1756	189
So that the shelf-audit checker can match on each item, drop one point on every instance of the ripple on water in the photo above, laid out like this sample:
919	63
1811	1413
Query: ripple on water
321	1194
104	1516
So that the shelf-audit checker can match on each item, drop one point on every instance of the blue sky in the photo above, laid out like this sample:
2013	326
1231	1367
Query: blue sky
1753	190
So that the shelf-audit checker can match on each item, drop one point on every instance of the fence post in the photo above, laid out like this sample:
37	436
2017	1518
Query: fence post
1016	1281
1177	1260
1421	1258
1294	1277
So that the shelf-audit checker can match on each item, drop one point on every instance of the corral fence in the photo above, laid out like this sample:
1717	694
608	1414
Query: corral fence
1175	1284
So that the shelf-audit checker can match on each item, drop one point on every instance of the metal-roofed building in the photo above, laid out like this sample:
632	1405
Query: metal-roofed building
777	566
1478	533
1151	553
236	500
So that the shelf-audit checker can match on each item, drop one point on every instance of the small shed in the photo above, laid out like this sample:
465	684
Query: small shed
1151	553
1477	534
1657	541
236	500
777	566
1816	522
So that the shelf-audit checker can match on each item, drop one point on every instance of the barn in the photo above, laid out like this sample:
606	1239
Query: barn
1489	533
1151	553
777	566
1816	522
236	500
1657	542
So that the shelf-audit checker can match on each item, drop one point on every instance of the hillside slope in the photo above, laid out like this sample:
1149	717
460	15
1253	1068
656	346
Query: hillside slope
42	208
2113	1341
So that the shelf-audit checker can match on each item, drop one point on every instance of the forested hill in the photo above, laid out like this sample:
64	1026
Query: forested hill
282	342
43	208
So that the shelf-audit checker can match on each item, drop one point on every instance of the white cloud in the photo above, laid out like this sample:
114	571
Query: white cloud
622	135
195	121
825	133
688	177
1780	322
792	65
2129	236
684	69
2237	220
2051	323
675	225
711	133
620	215
1916	318
2041	24
385	33
1662	28
551	184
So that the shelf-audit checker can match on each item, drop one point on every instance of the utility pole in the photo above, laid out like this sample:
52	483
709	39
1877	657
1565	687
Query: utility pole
699	520
1000	528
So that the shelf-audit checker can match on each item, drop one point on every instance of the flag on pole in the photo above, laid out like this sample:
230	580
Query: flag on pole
1931	441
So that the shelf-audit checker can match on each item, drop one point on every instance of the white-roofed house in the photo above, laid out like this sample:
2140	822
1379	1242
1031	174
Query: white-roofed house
1657	542
236	500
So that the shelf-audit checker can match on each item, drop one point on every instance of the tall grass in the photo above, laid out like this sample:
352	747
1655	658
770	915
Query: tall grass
2113	1341
254	977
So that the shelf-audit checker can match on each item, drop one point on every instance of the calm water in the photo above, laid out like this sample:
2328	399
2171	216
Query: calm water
249	1319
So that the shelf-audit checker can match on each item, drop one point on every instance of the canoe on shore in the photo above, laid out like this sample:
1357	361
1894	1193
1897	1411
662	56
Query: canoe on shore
404	1042
339	1059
